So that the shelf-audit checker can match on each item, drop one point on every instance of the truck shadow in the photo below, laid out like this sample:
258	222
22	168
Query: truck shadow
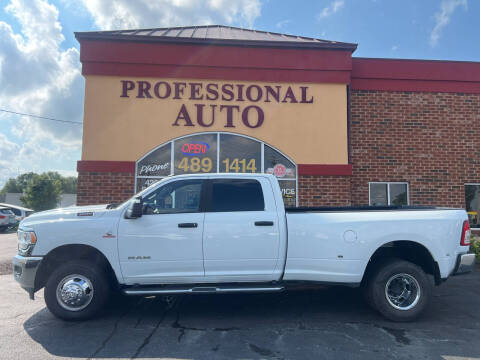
333	322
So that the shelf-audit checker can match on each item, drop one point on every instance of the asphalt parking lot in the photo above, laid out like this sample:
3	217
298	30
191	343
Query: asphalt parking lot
328	323
8	249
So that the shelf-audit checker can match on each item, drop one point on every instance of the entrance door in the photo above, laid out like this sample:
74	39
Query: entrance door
165	244
241	234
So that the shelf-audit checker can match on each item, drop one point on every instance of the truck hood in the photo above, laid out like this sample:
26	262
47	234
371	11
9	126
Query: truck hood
84	212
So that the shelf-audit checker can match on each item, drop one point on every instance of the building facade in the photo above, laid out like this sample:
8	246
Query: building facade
334	129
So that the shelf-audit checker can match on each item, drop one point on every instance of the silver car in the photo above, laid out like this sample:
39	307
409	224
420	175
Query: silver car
7	218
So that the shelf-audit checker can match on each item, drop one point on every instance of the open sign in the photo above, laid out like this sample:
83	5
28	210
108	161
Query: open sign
195	148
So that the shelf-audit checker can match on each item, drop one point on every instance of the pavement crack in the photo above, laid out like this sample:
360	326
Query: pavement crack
110	335
176	324
399	335
264	352
170	306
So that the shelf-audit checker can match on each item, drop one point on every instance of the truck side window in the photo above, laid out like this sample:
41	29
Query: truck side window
236	195
176	197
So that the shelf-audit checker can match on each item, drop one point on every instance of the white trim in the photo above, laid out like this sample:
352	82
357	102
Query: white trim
172	159
388	183
262	156
218	152
152	176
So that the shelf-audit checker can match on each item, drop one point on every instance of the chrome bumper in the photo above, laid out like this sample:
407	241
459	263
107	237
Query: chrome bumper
465	264
24	272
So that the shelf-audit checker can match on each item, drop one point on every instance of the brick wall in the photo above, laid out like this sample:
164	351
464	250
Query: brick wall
324	191
430	140
104	187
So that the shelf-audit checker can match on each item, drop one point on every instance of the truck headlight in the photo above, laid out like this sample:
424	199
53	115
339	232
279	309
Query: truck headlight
26	242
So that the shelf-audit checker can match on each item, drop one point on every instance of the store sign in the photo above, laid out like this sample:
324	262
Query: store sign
152	168
206	113
195	148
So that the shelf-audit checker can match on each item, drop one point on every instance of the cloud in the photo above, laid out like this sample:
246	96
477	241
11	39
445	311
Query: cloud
127	14
442	18
331	9
40	78
39	75
282	23
36	76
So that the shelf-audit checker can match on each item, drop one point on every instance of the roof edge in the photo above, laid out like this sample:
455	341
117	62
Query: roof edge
80	36
416	60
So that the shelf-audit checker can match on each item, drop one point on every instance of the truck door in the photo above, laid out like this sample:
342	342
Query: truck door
165	244
241	237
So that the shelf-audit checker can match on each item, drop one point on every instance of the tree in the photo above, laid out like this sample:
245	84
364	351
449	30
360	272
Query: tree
42	193
24	179
18	184
69	185
10	186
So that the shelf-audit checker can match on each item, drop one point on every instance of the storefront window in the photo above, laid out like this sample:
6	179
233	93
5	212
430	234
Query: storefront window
240	154
156	163
196	154
388	193
217	152
472	201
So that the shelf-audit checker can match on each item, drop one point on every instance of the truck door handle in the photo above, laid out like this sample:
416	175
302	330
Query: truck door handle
187	225
263	223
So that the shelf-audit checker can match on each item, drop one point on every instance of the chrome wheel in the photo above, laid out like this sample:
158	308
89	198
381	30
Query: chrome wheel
402	291
74	292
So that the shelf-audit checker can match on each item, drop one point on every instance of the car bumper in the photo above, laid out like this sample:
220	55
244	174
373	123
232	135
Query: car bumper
465	264
24	272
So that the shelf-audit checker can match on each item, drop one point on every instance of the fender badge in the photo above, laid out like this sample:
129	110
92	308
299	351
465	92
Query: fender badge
109	235
88	213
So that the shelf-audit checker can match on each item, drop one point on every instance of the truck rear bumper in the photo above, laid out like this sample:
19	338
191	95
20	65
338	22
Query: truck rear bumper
24	272
465	264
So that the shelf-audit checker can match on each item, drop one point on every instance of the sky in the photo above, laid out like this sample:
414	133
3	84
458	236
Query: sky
40	71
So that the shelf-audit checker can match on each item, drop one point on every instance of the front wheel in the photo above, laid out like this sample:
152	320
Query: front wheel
77	290
399	290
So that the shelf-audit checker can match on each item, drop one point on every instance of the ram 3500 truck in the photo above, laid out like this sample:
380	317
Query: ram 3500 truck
224	233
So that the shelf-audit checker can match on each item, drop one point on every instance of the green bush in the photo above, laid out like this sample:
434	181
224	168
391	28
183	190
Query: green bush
475	246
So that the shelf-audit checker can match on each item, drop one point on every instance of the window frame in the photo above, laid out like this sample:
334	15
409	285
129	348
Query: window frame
209	195
201	205
464	185
218	133
388	183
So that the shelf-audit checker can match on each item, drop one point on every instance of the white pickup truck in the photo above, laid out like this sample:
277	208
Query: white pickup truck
224	233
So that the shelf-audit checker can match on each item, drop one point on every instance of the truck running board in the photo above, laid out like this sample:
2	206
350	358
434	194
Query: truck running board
137	290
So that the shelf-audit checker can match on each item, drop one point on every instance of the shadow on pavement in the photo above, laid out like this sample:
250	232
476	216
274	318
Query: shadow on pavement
321	323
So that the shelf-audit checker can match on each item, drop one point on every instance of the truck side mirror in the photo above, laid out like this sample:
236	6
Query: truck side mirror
135	209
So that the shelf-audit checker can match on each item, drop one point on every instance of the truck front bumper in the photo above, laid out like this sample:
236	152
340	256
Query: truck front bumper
465	264
24	272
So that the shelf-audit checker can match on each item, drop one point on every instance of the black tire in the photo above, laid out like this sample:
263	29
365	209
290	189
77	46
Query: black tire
98	279
403	272
3	228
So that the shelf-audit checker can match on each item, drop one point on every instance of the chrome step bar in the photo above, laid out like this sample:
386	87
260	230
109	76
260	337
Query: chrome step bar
200	290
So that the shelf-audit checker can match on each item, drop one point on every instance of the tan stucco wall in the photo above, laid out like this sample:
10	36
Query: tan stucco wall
124	129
